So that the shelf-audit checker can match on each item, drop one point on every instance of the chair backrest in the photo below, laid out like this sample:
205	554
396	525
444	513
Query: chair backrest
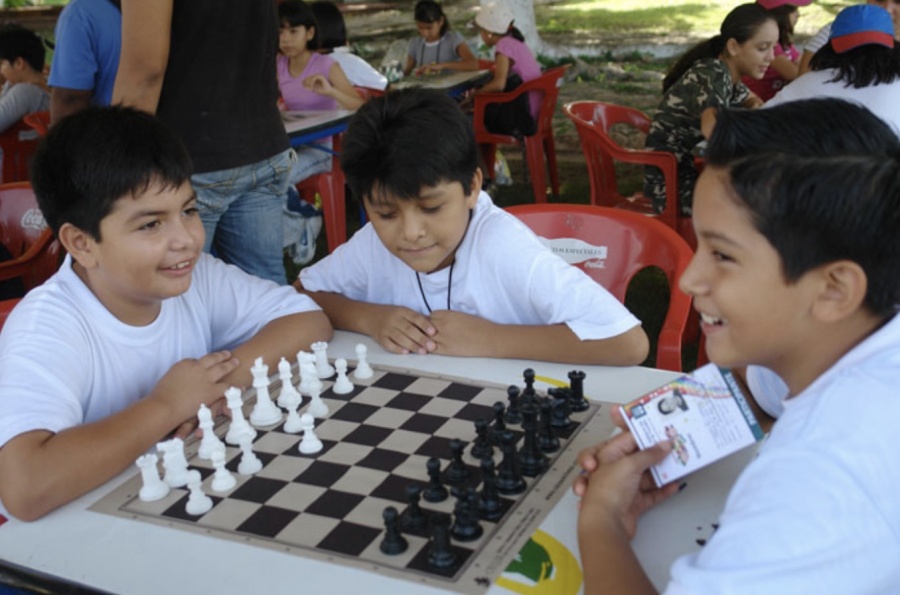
18	142
612	246
6	307
548	84
24	232
39	121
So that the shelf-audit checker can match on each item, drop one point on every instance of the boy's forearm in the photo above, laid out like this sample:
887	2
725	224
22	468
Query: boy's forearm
609	562
557	343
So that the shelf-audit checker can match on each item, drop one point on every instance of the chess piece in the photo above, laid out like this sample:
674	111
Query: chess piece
440	554
342	384
528	394
509	478
577	401
499	427
293	425
547	440
559	416
287	392
239	424
489	503
481	447
309	378
465	517
363	369
456	471
174	463
532	462
264	413
198	503
413	517
209	442
393	543
310	443
435	490
323	368
250	463
153	487
223	480
513	416
317	407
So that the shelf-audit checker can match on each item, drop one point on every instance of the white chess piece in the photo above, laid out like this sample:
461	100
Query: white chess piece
239	424
292	423
323	368
287	386
250	463
342	384
317	407
223	480
210	441
198	503
264	413
363	369
310	443
174	463
308	376
153	487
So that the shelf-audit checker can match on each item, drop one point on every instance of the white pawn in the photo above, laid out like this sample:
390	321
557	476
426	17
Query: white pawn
323	368
174	463
292	423
250	463
264	413
309	378
153	487
223	480
239	424
363	369
317	407
310	443
210	441
287	386
342	384
198	503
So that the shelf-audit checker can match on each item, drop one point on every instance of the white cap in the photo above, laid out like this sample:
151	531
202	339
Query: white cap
494	17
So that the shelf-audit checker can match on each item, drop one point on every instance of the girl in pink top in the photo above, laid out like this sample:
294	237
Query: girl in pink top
785	67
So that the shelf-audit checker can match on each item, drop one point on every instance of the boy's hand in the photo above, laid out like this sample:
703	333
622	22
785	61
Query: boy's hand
191	382
317	83
463	334
401	330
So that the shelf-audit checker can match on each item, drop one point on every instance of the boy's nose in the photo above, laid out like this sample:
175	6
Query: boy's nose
413	228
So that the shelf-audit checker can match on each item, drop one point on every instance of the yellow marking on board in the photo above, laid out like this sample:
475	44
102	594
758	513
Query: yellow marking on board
567	577
551	381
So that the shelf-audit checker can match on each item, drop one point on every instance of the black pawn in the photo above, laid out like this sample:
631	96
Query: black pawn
393	543
532	462
440	555
547	440
413	517
482	447
509	478
513	416
456	472
489	505
577	402
435	490
465	525
528	394
499	426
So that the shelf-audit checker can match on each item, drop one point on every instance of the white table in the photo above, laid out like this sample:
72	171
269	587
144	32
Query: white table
125	556
453	82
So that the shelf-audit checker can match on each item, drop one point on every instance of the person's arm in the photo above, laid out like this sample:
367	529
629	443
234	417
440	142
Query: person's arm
146	32
501	71
410	64
785	68
803	66
65	102
337	86
467	61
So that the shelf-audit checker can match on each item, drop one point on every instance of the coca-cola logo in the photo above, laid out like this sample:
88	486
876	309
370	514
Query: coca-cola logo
33	219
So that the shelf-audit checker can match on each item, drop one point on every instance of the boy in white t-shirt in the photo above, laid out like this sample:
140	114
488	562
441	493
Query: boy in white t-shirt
138	327
795	270
439	268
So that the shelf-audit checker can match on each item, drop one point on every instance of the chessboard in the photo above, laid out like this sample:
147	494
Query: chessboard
377	441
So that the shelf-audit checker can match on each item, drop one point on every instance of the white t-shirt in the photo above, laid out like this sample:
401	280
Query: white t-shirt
502	273
359	72
818	510
66	360
816	42
882	100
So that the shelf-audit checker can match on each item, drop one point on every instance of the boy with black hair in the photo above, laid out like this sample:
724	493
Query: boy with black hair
139	326
22	67
796	270
439	268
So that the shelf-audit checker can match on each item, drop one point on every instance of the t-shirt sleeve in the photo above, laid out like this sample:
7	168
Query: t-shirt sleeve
21	99
818	40
74	64
347	271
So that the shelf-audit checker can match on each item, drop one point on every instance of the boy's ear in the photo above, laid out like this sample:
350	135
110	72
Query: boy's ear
477	179
843	290
732	46
79	243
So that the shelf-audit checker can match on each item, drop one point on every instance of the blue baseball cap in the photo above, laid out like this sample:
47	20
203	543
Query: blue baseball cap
862	24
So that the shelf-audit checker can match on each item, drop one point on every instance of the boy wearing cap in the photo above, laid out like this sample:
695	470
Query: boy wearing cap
821	38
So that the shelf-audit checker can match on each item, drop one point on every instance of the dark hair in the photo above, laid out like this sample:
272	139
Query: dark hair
863	66
514	31
740	24
782	16
429	11
820	179
97	156
332	32
297	13
405	141
18	42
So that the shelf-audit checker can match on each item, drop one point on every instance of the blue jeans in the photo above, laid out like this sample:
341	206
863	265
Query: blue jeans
241	210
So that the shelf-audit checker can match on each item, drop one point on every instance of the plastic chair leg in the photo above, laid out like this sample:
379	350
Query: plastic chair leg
550	152
489	154
534	151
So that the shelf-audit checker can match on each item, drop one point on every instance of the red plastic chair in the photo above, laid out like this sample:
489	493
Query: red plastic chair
6	307
39	121
330	186
540	145
593	120
621	244
18	143
36	252
368	93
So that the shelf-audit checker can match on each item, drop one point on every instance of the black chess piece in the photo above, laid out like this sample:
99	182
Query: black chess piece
532	462
413	517
482	446
465	513
559	417
577	402
528	393
456	471
513	415
547	440
440	554
499	426
393	543
435	490
509	478
489	504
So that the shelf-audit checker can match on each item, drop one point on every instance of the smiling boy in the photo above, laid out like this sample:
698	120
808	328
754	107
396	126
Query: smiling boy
439	268
138	328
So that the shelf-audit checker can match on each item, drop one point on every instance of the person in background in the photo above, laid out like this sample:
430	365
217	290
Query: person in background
332	35
784	67
22	68
437	47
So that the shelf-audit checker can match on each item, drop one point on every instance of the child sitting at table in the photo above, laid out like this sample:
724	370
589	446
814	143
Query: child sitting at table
785	65
332	41
22	66
439	268
139	327
796	270
708	76
437	47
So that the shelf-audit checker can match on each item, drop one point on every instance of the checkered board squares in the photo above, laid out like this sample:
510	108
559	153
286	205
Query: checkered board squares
376	441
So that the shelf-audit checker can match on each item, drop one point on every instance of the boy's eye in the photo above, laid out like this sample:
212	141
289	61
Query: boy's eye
192	211
388	215
721	256
150	225
431	210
